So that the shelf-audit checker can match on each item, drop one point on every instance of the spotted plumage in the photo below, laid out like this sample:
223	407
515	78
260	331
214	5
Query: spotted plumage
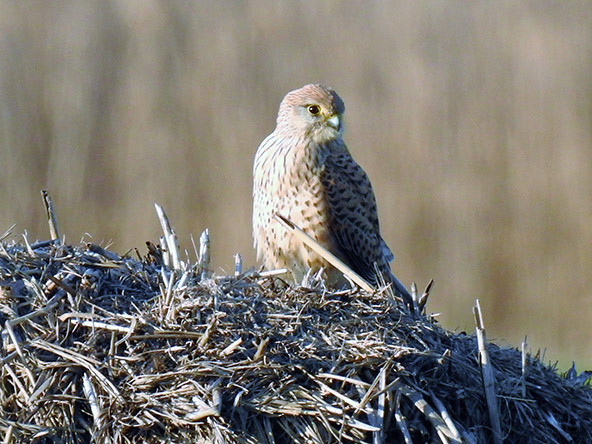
304	171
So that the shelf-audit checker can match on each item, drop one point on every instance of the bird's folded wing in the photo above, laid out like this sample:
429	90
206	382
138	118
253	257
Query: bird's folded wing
353	215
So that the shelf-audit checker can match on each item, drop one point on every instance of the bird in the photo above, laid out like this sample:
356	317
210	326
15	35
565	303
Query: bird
304	172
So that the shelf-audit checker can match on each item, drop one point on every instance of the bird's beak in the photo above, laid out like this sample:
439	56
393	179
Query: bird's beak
334	122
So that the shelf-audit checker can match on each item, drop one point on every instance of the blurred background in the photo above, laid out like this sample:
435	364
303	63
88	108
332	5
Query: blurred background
473	120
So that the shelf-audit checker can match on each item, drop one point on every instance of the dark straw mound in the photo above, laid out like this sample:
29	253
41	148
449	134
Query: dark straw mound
98	348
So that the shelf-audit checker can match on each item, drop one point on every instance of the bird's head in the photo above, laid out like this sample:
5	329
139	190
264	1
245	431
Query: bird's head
313	111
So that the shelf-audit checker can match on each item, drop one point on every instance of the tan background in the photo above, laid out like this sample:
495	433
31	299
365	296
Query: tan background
473	120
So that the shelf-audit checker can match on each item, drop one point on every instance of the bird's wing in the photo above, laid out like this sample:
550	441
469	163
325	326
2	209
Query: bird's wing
353	218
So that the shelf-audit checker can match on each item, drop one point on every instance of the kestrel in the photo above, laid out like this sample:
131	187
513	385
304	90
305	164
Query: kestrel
304	171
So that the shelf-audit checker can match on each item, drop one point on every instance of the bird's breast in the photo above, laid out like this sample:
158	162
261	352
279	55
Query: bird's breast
290	184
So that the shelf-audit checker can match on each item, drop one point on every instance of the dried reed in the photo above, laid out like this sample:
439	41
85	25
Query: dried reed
102	348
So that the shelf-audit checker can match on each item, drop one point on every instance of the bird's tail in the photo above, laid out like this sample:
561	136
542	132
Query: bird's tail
397	286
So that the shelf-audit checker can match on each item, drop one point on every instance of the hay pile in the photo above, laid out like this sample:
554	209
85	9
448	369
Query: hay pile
98	348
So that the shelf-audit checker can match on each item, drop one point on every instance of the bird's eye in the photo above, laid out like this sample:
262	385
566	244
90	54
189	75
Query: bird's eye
315	110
